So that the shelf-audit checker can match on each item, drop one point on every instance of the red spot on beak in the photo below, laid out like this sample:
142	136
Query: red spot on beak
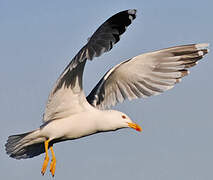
135	126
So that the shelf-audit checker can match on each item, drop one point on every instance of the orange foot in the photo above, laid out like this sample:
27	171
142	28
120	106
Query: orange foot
53	162
44	167
52	167
46	160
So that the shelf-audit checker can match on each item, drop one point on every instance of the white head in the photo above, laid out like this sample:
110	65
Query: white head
114	120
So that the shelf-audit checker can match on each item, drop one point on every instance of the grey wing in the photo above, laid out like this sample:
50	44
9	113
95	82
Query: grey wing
146	75
67	96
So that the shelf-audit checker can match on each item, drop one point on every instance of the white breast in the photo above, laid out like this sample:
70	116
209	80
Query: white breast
73	127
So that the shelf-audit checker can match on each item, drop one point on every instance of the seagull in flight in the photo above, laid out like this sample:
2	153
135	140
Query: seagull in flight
69	114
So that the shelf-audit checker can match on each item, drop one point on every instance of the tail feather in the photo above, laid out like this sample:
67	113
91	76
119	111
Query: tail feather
25	145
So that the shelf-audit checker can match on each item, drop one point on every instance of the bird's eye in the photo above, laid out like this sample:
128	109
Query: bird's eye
123	116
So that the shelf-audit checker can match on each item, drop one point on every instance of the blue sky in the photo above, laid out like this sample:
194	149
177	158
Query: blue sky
39	38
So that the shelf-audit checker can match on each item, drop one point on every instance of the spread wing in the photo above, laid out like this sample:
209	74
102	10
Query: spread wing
145	75
67	96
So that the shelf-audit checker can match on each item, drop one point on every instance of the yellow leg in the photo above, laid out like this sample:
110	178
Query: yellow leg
46	160
53	162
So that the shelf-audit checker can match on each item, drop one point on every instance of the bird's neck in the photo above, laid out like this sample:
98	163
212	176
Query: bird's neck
107	121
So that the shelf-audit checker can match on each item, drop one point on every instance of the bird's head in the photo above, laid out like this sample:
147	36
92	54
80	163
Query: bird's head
127	122
116	120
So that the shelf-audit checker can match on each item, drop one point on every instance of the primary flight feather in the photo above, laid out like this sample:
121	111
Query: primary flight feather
69	114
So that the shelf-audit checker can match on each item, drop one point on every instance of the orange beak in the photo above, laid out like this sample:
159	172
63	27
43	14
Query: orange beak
135	126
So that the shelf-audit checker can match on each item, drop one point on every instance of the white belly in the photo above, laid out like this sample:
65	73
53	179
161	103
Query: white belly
72	127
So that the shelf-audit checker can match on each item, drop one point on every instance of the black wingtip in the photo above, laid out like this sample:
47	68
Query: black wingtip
101	41
132	11
106	36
